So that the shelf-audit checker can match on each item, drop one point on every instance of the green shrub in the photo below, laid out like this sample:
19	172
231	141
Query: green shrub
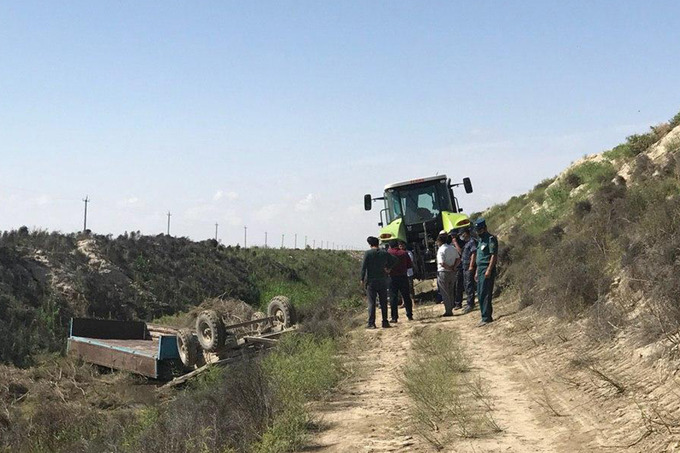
639	143
594	173
301	369
620	152
544	184
675	121
557	197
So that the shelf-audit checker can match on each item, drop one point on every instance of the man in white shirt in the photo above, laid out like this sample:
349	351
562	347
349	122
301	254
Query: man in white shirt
448	260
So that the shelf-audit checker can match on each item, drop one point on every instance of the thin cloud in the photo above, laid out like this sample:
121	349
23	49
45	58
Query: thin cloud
220	194
305	204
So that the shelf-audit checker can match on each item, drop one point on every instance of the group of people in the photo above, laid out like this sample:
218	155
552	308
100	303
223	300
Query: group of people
466	264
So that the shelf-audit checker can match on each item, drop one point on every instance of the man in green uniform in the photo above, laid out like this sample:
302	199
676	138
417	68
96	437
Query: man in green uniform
487	256
374	270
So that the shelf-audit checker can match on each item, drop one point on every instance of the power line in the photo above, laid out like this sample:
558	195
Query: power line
86	200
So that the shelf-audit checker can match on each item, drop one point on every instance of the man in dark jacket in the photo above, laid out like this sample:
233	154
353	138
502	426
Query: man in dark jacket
374	270
399	282
487	256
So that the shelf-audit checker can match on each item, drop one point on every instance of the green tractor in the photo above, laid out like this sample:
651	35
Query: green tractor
415	212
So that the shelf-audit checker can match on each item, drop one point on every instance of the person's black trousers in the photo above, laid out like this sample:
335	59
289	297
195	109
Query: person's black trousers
470	287
399	285
376	290
458	291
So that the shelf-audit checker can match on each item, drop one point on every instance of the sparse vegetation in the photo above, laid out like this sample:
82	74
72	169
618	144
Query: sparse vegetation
563	257
448	399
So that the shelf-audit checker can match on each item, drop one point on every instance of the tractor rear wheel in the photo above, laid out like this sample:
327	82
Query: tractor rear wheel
210	330
188	348
282	311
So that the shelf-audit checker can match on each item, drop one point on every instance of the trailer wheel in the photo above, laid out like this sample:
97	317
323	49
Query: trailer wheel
210	330
281	309
188	348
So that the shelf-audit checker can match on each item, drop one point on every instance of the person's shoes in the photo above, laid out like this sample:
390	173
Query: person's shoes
467	310
371	326
410	318
386	324
457	307
394	321
446	315
483	323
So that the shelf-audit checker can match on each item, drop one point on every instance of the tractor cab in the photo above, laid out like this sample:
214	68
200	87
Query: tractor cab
416	211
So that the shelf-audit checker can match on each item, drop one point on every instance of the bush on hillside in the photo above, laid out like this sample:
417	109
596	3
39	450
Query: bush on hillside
639	143
675	121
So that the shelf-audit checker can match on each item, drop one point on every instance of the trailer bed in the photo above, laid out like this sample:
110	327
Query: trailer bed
124	345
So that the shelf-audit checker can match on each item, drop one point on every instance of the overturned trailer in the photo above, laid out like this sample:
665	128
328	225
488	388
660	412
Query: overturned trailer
165	353
124	345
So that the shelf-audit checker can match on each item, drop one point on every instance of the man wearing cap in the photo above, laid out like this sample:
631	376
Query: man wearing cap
487	255
448	261
374	270
399	282
459	280
468	258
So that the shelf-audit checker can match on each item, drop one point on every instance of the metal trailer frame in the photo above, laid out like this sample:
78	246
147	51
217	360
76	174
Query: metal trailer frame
151	351
124	345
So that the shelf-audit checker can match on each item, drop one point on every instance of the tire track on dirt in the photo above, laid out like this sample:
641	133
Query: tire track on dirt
371	413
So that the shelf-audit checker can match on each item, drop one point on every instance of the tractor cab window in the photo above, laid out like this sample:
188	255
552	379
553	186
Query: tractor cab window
420	204
417	204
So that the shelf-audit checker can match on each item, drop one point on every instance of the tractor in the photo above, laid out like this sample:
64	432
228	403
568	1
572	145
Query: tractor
415	212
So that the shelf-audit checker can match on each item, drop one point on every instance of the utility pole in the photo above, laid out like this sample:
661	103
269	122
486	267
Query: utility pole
265	239
305	241
245	236
86	200
314	243
169	223
295	242
216	225
282	236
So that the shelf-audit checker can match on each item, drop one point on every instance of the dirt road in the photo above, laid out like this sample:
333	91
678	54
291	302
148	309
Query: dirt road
539	403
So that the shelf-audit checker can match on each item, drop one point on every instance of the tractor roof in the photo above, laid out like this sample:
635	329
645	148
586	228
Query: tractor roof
414	181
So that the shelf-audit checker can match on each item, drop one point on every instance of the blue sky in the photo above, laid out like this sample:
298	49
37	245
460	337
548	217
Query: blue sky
281	115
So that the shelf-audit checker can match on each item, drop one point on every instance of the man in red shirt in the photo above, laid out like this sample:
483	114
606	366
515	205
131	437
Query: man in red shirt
399	282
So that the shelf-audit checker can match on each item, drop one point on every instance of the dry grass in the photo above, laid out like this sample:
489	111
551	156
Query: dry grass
448	400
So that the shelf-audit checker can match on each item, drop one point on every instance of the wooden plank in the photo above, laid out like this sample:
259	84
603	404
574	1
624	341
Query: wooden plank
223	362
249	323
260	340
